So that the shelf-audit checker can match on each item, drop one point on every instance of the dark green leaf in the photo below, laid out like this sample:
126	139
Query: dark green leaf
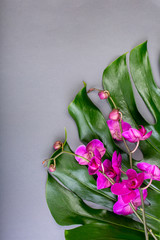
76	178
101	231
67	209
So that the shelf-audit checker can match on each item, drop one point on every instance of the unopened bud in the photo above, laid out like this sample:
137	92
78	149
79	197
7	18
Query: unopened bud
114	115
57	145
52	168
103	94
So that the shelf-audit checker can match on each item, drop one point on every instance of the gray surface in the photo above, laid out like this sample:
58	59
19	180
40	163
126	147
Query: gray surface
47	49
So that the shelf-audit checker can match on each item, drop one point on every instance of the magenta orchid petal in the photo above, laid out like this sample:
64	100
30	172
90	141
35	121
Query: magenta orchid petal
134	180
107	164
115	159
122	209
150	171
131	173
155	171
128	197
115	130
142	130
96	144
118	177
81	151
114	115
94	165
132	135
119	160
97	153
148	176
146	136
116	164
125	126
143	166
137	200
120	188
140	179
102	181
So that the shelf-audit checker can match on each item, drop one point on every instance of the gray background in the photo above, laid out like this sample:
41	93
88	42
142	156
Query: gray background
47	49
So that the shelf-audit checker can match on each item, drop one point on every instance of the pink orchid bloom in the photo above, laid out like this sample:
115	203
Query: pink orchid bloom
111	169
115	129
133	135
116	164
126	187
95	163
88	151
103	95
122	208
114	115
150	171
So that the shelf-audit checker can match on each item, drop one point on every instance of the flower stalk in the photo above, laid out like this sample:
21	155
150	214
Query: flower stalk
129	152
143	214
135	212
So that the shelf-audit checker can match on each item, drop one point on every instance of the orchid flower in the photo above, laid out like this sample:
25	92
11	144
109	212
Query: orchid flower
111	169
95	163
88	151
134	135
114	115
126	187
123	208
115	128
150	171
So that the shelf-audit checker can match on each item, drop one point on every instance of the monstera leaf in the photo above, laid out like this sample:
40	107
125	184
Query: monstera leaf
70	188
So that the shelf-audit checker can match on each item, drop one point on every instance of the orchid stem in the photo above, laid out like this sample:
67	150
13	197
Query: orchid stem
113	102
122	171
109	179
73	154
129	152
135	147
143	214
135	212
147	185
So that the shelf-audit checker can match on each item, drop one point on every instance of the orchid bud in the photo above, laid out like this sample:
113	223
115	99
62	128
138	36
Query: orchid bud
57	145
114	115
103	94
52	168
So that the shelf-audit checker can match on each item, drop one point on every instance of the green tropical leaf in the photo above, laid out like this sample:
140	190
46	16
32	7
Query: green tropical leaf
101	231
143	79
68	209
91	124
76	178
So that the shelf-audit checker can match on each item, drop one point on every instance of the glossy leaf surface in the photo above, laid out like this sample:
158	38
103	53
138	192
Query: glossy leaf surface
91	124
101	231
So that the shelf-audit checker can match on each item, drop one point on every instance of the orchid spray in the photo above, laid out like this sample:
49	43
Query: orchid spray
103	170
130	192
